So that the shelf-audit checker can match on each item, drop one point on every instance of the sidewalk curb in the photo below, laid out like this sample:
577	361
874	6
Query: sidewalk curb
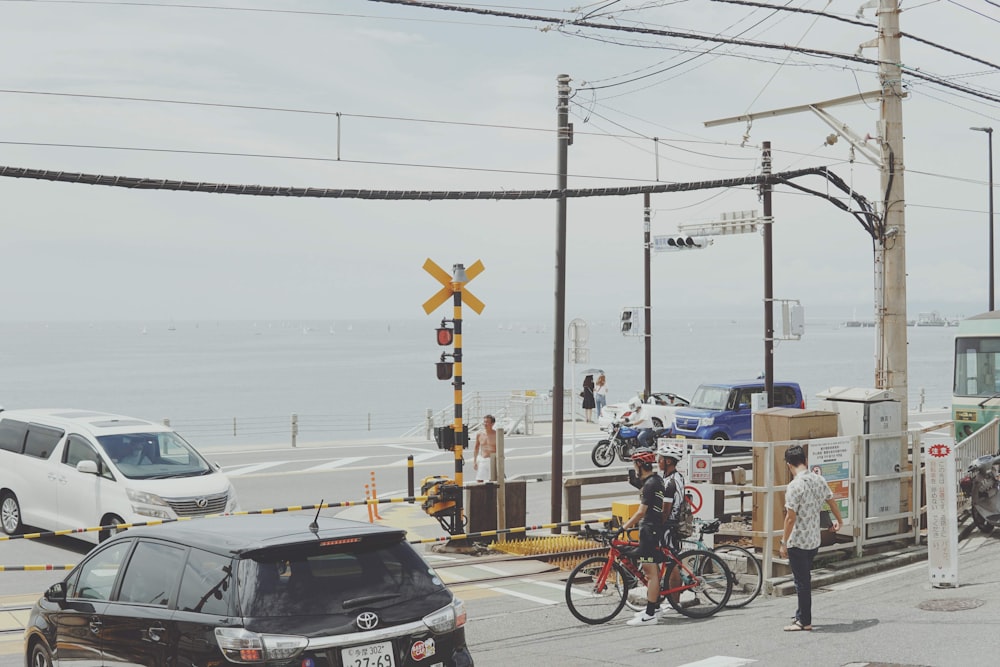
850	569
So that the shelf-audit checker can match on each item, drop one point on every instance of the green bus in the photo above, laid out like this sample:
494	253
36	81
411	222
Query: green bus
976	391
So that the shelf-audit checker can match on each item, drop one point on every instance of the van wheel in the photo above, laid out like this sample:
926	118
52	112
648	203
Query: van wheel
110	520
657	422
718	450
10	514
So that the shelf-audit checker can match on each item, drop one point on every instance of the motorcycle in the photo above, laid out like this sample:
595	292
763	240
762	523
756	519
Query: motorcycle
981	484
623	439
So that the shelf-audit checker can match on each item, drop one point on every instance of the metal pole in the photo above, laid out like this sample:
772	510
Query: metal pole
766	190
409	477
992	281
648	332
563	138
501	486
989	136
460	440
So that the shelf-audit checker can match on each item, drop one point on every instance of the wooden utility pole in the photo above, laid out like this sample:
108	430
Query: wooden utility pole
891	364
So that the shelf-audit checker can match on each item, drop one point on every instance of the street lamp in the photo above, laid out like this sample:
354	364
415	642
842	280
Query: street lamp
989	135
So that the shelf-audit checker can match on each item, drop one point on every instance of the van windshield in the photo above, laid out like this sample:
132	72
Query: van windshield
710	398
153	455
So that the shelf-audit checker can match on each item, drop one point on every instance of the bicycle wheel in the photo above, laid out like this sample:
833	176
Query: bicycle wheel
588	598
699	584
748	575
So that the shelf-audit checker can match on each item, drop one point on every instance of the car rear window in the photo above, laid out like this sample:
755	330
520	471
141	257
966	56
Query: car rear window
42	440
337	579
12	434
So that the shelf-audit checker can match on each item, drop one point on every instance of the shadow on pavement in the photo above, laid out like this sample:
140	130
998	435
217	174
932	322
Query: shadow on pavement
853	626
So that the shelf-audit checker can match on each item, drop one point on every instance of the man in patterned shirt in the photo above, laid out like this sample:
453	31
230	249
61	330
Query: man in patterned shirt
804	499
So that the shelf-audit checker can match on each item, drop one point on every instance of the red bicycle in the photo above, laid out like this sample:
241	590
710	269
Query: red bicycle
696	583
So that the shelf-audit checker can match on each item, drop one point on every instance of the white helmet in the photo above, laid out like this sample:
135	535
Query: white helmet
670	450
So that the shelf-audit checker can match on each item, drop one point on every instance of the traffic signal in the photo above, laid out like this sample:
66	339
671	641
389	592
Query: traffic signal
629	320
688	242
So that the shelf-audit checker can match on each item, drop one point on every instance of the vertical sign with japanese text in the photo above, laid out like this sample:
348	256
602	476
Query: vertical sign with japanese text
942	522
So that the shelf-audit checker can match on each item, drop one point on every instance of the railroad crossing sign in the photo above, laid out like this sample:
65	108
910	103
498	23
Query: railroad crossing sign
449	287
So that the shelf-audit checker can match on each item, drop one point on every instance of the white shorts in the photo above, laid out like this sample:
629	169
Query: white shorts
484	465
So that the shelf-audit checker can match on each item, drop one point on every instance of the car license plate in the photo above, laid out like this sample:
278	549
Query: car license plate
370	655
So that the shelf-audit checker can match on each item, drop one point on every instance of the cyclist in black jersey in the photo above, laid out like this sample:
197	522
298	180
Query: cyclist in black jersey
649	518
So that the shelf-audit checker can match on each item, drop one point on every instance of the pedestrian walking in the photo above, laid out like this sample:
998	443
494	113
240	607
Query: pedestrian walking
588	397
800	542
600	394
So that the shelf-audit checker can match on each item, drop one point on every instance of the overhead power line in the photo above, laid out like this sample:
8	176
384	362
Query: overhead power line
801	10
916	73
871	222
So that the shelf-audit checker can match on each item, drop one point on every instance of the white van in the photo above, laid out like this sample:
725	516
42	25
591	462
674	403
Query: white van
63	469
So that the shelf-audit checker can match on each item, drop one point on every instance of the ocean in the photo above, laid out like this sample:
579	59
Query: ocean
227	382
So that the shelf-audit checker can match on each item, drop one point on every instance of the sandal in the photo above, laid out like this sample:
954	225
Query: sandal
797	627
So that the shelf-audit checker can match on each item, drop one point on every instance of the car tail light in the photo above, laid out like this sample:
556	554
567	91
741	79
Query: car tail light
242	646
447	618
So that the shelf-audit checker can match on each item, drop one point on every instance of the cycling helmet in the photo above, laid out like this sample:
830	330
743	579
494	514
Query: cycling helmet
670	450
644	456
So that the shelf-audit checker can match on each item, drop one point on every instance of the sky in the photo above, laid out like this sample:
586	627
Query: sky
360	94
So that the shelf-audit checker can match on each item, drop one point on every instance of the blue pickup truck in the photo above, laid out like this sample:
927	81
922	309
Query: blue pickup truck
721	411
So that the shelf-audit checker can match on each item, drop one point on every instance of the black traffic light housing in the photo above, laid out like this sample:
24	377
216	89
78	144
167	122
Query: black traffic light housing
444	368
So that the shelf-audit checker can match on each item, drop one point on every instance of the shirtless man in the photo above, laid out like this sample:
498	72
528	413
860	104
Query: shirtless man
485	450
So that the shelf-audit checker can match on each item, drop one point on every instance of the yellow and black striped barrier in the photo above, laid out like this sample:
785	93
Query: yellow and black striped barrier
272	510
508	531
34	568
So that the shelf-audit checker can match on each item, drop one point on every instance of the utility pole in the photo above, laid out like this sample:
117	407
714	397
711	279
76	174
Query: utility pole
564	138
891	369
648	331
766	189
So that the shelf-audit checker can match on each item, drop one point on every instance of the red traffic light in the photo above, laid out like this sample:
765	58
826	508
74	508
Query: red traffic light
445	335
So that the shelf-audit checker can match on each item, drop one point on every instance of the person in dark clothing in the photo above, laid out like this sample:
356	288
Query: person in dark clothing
588	397
649	518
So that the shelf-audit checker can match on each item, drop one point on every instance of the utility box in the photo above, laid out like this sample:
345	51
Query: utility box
481	508
623	512
779	425
876	414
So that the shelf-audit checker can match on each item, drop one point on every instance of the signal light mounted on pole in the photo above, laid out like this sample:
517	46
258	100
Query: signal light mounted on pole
687	242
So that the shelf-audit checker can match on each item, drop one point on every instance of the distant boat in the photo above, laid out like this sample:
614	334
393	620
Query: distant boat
144	332
931	319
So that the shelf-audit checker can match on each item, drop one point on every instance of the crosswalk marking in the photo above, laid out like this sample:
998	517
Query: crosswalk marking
518	594
245	470
336	463
720	661
417	458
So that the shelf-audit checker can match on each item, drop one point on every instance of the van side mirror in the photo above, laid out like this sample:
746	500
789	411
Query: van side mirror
87	466
56	592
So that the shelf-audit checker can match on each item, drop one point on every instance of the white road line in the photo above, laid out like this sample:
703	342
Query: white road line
720	661
419	458
253	468
517	594
336	463
546	584
492	570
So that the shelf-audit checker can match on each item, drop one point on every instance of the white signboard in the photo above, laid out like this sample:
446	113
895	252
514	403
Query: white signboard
699	467
942	522
831	458
702	499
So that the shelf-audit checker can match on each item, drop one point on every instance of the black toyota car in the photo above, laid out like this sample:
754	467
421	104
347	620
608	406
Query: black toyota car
252	590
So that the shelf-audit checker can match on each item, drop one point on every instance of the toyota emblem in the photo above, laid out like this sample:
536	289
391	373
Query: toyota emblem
367	620
202	503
